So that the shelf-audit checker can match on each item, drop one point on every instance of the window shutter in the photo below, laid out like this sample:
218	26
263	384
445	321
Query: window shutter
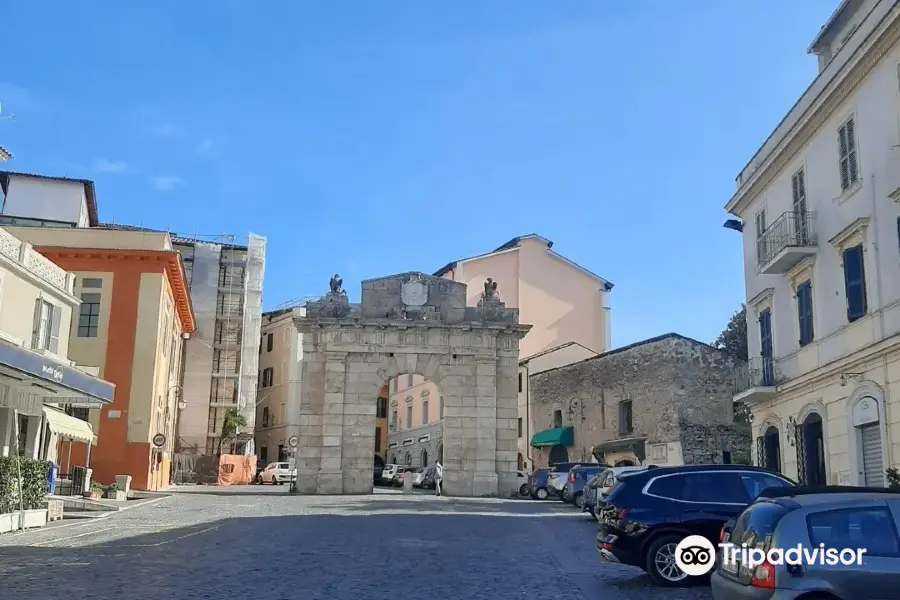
36	327
855	282
56	318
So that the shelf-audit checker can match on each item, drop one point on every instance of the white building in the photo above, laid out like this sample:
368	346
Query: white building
818	207
38	384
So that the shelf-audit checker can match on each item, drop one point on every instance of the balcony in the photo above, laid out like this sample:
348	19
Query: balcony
784	243
756	380
32	261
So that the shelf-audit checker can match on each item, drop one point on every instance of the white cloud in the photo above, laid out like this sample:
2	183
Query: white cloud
166	183
205	147
102	165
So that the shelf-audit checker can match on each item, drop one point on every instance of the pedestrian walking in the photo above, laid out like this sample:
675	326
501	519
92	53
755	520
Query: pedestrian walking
438	477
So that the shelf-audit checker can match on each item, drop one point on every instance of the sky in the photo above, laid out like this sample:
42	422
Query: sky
375	137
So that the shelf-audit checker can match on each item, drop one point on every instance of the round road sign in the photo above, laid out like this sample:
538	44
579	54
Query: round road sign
159	440
293	441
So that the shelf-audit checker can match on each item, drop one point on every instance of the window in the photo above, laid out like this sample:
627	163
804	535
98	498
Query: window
713	488
268	375
849	164
805	312
760	229
270	341
45	335
756	525
409	380
89	315
755	483
79	412
265	417
409	416
870	528
224	390
382	408
378	439
92	282
520	383
282	455
520	426
393	424
855	282
263	454
625	418
557	419
425	412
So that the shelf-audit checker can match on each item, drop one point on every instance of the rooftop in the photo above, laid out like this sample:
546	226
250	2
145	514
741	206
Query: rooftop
515	243
176	239
90	193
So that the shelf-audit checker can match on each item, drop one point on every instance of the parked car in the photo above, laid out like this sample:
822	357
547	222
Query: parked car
831	517
277	473
400	475
428	479
387	475
648	513
596	490
537	484
421	476
573	490
559	474
378	471
523	482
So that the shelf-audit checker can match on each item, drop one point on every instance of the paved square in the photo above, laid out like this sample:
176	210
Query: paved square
258	542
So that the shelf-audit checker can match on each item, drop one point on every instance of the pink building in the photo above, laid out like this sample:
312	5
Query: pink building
562	300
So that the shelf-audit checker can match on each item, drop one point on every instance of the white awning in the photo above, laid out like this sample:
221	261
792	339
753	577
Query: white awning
68	426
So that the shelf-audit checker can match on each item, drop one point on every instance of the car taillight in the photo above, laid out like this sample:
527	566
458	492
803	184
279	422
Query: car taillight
764	576
722	535
571	477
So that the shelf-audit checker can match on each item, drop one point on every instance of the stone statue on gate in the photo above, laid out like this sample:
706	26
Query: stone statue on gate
336	284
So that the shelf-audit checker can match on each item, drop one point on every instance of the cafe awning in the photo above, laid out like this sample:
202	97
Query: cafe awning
67	426
560	436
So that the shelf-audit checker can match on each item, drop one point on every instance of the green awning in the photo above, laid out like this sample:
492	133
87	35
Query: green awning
561	436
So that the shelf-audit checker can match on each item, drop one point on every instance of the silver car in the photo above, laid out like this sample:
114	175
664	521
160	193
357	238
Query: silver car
822	520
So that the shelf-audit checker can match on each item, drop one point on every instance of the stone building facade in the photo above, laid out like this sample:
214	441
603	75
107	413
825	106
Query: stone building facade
417	324
418	447
665	401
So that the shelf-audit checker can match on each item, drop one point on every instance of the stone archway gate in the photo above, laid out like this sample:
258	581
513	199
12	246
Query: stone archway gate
419	324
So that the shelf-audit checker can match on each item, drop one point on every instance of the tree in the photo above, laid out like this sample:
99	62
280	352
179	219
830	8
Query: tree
733	341
231	425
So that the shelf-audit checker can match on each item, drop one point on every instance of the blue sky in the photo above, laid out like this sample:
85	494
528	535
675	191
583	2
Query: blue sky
370	137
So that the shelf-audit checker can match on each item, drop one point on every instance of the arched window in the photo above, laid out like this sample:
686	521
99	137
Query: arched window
408	462
424	398
394	459
424	457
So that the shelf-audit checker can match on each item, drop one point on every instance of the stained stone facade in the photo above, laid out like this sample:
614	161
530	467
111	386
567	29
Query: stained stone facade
409	323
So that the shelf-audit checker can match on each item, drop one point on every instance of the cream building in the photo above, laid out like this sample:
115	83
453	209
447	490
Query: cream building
818	208
415	421
277	399
39	385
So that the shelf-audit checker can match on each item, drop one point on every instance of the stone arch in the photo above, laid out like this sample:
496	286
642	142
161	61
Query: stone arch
770	449
813	421
417	324
866	390
424	459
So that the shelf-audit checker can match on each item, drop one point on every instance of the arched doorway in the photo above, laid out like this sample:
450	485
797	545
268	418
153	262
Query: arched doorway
813	450
379	462
867	429
771	454
559	454
624	463
441	453
520	462
394	459
424	457
408	460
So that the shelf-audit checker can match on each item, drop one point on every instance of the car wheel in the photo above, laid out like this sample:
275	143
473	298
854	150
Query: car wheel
259	480
523	489
660	562
541	494
579	501
274	480
591	510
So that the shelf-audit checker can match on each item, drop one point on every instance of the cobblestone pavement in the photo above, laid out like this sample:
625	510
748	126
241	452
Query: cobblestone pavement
260	543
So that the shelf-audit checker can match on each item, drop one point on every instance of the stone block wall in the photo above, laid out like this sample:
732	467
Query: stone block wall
668	379
705	444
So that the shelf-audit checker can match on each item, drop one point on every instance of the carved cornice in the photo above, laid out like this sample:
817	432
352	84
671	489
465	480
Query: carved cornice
815	117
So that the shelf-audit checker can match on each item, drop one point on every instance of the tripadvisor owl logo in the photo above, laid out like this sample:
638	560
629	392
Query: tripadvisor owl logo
695	555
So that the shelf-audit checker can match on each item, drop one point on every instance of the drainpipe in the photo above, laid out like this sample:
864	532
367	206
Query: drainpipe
876	251
18	469
528	417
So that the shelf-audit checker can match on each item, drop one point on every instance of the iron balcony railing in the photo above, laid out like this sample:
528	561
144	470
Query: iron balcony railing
792	229
757	372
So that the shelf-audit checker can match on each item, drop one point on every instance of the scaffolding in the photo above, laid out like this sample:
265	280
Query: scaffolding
252	324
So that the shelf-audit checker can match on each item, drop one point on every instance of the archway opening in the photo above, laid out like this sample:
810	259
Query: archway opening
558	454
866	417
772	449
409	426
624	463
814	450
520	461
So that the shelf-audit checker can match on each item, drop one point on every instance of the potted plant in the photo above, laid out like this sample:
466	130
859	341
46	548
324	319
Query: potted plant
893	479
113	492
94	493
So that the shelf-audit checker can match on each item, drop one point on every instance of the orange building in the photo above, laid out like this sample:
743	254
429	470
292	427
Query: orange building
134	316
